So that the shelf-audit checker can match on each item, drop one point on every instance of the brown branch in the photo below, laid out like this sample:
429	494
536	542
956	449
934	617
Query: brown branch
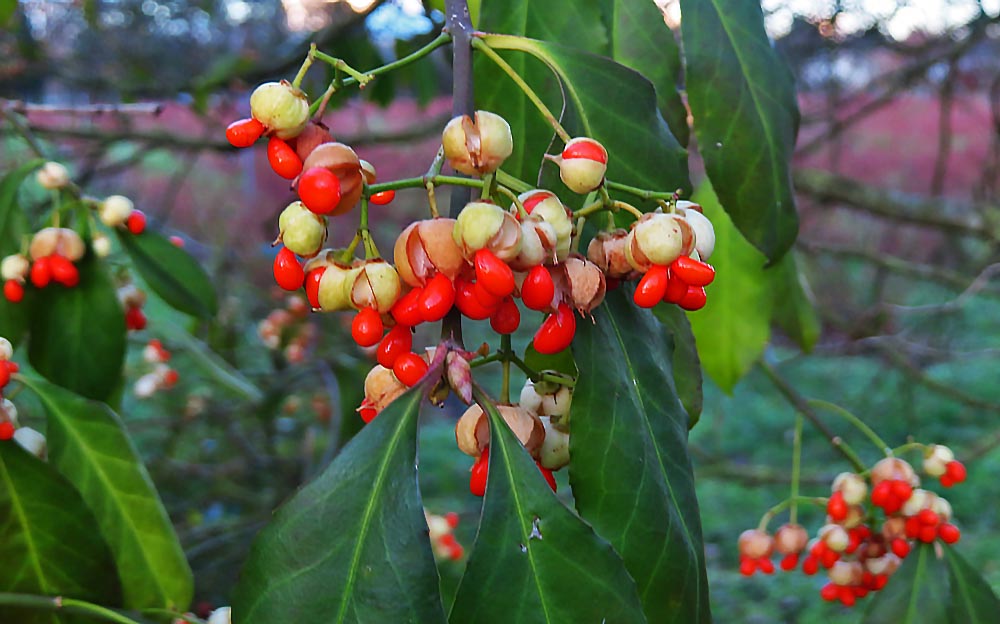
980	220
91	110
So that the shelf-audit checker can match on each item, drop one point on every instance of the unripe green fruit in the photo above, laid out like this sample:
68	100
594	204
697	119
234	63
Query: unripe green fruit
554	453
115	210
582	164
283	109
477	147
334	287
482	225
301	230
376	285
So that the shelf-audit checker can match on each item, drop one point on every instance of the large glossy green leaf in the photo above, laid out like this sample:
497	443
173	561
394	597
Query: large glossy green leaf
603	99
629	468
795	309
352	545
13	226
534	560
916	594
685	364
735	325
972	599
89	446
742	97
171	272
78	334
640	39
48	542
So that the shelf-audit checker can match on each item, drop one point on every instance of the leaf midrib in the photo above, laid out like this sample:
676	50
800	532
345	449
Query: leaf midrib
126	519
25	525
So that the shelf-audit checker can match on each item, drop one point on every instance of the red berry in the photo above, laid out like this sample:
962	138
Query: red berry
468	303
538	289
398	341
765	566
902	490
829	592
695	299
881	493
955	470
41	272
900	547
836	508
493	274
912	527
829	558
949	533
652	287
6	430
506	318
63	271
535	198
447	540
312	286
171	377
947	481
319	190
136	222
409	368
285	162
847	597
366	411
13	291
549	478
288	272
693	272
927	517
176	241
452	519
135	319
366	329
789	562
406	310
590	149
556	332
4	375
382	198
455	552
880	581
810	566
676	290
747	567
480	470
437	298
927	534
484	297
245	132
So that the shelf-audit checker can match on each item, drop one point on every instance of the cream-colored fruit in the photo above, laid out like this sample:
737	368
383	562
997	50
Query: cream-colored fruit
893	468
553	212
704	231
31	441
52	176
658	239
554	453
222	615
936	459
283	109
63	241
14	267
755	544
482	225
479	145
335	287
852	486
426	248
846	573
376	285
835	536
382	387
301	230
790	539
8	412
115	210
472	432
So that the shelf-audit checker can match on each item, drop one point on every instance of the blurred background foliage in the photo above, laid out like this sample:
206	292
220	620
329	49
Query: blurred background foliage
897	182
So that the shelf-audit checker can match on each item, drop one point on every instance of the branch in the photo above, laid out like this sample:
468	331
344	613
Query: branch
899	206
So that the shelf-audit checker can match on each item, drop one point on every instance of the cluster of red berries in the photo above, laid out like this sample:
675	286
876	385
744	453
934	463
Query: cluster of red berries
8	413
161	377
858	551
287	330
442	535
50	259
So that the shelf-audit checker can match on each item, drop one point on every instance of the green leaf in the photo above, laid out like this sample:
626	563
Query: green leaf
972	598
13	226
742	97
7	10
534	560
685	363
352	545
640	39
795	310
603	99
629	467
916	594
47	538
171	272
562	362
734	327
78	334
89	446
